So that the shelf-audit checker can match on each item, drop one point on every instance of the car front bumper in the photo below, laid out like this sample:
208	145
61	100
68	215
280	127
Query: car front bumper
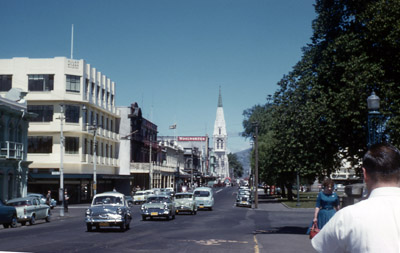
155	212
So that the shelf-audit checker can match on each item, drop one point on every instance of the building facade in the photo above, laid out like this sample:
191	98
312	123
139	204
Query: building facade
75	132
13	146
147	159
220	141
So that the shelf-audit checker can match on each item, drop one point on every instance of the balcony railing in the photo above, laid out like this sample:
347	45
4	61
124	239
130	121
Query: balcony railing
11	150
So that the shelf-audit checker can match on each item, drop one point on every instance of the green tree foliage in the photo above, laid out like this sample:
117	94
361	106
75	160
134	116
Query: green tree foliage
236	165
319	114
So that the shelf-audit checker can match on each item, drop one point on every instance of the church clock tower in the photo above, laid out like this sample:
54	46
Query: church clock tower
220	138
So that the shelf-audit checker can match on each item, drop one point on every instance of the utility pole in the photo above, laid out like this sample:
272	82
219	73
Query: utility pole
150	168
61	191
256	166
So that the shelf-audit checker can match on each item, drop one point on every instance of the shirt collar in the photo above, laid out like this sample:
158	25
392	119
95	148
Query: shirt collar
385	191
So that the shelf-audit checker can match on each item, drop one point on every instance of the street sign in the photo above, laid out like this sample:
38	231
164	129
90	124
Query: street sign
55	173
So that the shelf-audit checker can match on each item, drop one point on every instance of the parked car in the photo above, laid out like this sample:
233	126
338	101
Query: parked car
42	198
158	206
185	202
8	215
140	197
244	198
30	209
204	198
108	209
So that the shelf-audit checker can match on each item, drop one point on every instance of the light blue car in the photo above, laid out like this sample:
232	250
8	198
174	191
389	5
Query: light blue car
204	198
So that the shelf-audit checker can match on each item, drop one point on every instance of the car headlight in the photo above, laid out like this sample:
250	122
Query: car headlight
119	211
165	207
88	212
143	208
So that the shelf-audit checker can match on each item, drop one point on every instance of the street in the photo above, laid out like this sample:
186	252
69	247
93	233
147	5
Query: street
271	228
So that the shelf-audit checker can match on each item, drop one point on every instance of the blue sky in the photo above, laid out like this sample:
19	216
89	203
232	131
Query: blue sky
170	56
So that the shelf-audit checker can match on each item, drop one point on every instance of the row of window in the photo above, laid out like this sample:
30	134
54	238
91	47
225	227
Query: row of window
72	113
44	145
46	83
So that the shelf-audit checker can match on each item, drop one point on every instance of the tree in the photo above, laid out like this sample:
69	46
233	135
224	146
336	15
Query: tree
319	110
236	165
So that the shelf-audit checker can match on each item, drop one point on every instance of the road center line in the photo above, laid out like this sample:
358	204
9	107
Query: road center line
256	249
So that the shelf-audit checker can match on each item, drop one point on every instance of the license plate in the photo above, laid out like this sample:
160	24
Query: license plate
154	214
201	206
104	224
243	202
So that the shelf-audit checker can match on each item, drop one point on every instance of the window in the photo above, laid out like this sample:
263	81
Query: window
5	82
40	144
73	83
71	145
44	112
40	82
72	113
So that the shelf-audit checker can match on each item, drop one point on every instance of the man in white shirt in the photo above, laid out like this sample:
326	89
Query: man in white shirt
372	225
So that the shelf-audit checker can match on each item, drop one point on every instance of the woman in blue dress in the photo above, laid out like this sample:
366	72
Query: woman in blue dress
327	204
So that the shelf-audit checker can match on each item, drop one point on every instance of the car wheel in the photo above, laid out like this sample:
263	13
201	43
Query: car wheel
6	225
89	227
48	218
14	222
33	220
210	209
195	212
23	223
143	217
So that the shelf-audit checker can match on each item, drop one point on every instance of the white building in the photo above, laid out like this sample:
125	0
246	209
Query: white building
71	95
220	138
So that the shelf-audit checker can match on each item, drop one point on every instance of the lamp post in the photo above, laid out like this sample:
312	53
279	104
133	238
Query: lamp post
93	128
61	194
374	120
150	166
256	166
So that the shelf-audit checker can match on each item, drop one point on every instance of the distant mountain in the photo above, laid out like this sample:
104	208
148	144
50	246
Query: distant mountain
244	159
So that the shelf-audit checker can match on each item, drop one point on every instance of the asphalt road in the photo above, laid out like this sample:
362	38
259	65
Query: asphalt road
270	228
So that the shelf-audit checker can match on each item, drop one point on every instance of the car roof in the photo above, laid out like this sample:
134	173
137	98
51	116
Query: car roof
203	189
117	194
21	199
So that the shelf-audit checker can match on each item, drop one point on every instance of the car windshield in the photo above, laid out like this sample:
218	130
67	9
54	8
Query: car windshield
244	192
158	199
20	203
107	200
184	196
201	193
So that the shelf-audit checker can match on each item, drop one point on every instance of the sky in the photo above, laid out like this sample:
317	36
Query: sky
170	56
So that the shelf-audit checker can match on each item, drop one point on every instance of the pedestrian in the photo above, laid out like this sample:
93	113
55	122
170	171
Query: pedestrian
371	225
66	198
48	198
327	204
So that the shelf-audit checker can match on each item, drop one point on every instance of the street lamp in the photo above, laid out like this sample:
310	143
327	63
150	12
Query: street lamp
256	165
93	128
61	190
374	120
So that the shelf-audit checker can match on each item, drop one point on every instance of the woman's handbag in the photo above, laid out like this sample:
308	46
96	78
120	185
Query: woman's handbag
314	230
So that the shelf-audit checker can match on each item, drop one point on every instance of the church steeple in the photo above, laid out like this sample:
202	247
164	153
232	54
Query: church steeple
220	98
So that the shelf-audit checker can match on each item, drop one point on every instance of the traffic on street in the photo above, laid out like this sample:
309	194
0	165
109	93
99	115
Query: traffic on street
223	228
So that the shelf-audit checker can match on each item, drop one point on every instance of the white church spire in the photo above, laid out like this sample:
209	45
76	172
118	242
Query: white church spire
220	138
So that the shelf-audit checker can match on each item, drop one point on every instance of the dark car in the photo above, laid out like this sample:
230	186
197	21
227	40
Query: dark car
8	215
108	209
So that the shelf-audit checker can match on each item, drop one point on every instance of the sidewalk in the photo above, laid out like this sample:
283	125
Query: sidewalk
74	210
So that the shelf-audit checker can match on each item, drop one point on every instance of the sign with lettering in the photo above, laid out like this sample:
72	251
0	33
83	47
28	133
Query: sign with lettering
192	138
73	64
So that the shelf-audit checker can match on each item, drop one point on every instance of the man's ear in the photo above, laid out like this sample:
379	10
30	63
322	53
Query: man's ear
366	177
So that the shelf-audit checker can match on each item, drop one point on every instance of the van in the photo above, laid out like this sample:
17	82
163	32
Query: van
204	198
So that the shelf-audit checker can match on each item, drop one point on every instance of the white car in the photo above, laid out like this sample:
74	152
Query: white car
204	198
140	197
29	209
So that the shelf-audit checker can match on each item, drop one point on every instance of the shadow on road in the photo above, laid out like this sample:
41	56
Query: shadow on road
283	230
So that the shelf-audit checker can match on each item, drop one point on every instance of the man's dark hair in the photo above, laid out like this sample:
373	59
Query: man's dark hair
382	162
